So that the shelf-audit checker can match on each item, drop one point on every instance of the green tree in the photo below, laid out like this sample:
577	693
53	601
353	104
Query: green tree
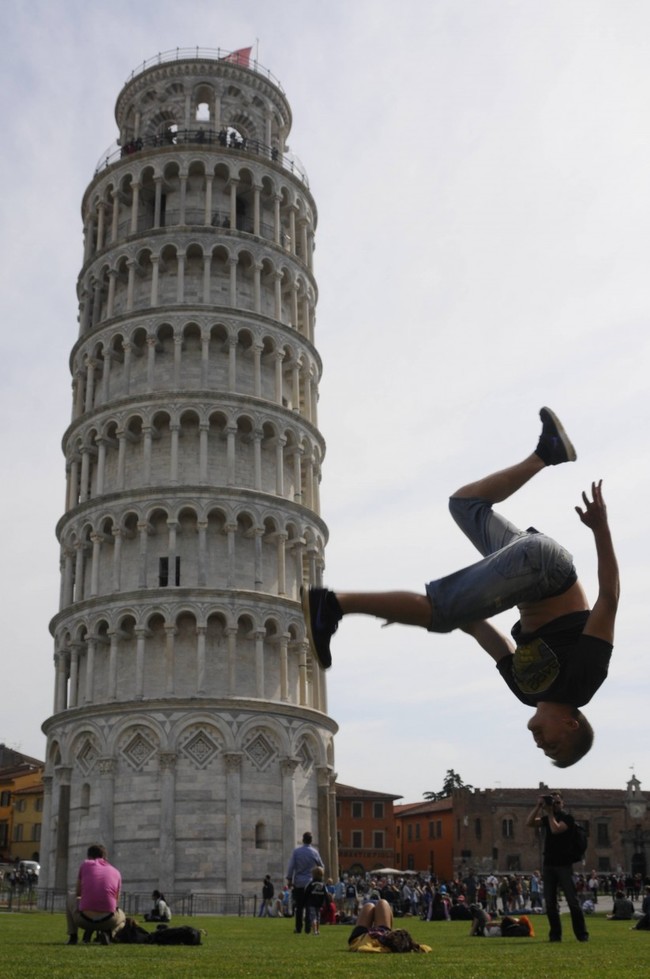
451	781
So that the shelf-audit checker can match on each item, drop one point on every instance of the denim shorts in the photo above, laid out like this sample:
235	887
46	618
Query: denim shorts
517	566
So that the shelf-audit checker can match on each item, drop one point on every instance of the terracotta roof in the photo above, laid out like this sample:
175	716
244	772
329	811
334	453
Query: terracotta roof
349	792
36	789
13	771
529	796
417	808
10	758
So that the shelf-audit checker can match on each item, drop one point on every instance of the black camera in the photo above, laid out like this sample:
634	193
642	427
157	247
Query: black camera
548	800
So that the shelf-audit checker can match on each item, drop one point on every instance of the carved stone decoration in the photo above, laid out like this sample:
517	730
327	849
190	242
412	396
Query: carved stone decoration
138	751
201	749
87	756
260	751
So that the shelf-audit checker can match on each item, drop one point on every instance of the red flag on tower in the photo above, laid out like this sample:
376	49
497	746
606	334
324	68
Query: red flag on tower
240	57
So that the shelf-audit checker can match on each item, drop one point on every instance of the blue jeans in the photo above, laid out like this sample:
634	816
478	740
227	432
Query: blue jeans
518	566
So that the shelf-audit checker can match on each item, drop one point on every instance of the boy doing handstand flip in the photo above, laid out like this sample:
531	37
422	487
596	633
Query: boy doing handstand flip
561	648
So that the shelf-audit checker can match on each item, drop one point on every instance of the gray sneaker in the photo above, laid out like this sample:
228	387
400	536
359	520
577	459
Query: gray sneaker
554	446
322	614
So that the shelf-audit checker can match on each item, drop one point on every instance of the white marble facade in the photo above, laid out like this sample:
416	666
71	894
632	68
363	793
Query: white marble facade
190	732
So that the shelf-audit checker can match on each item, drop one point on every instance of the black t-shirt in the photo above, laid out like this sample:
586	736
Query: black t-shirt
315	893
267	890
557	845
556	663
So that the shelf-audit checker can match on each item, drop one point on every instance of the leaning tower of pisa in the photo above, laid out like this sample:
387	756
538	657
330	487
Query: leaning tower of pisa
189	731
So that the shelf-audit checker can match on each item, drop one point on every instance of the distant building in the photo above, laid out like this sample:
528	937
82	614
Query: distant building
366	829
484	831
490	831
424	837
21	805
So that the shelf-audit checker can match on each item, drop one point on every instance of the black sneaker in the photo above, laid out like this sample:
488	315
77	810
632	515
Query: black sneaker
554	446
104	938
322	614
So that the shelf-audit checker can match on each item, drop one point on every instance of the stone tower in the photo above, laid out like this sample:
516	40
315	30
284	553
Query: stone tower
190	732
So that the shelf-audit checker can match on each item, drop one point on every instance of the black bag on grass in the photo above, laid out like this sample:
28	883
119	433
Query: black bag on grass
182	935
132	934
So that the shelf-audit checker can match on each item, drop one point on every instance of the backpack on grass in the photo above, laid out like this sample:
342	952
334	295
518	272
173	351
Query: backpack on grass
181	935
132	934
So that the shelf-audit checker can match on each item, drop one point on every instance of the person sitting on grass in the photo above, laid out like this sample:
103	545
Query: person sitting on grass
160	910
374	932
623	909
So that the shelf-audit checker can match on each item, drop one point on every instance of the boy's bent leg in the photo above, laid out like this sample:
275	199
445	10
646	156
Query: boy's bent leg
553	448
323	610
498	486
487	530
530	568
400	607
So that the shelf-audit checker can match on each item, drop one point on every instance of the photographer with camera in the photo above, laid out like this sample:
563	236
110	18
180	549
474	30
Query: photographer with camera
557	870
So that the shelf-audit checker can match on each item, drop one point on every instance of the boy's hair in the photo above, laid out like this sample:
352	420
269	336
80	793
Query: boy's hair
579	743
96	852
317	873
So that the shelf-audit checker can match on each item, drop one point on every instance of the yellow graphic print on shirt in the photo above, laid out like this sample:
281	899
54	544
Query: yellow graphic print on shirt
535	667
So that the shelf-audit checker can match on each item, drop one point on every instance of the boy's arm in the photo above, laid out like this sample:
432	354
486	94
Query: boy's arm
600	623
490	639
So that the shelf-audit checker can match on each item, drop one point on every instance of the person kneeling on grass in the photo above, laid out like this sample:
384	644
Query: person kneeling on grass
374	932
562	647
95	904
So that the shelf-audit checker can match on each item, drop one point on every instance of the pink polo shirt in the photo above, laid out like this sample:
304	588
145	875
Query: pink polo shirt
100	884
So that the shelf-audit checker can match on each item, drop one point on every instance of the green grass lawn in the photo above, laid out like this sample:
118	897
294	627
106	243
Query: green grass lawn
32	946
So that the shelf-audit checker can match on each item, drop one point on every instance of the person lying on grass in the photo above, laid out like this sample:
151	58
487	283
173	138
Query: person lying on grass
374	932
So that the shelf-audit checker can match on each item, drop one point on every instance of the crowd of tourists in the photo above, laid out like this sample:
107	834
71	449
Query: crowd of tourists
436	899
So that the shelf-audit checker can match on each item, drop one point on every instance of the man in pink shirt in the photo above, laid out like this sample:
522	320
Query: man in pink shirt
94	907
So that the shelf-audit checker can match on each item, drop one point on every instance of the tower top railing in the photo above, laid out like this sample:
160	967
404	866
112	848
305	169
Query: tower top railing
208	54
226	139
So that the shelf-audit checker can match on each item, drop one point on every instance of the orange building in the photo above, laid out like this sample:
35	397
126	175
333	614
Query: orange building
424	838
21	805
366	829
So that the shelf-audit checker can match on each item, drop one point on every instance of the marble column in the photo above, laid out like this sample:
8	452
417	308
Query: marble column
233	760
167	820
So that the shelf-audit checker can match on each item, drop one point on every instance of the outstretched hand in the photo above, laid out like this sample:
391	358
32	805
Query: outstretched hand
594	514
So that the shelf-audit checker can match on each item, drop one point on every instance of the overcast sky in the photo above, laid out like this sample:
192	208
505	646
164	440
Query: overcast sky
482	175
